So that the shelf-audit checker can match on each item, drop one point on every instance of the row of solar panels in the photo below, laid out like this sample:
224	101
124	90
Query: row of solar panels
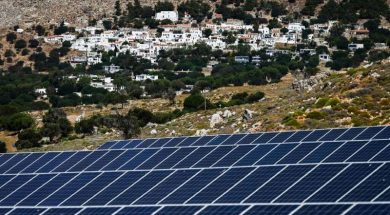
359	133
359	209
327	183
196	157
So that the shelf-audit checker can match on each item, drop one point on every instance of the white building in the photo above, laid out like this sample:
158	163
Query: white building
171	15
112	68
144	77
298	27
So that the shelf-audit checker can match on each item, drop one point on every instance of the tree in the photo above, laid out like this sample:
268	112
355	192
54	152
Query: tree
28	138
33	43
129	126
163	6
20	44
207	32
11	37
118	10
61	29
55	124
84	126
3	147
40	30
107	24
196	102
171	95
19	121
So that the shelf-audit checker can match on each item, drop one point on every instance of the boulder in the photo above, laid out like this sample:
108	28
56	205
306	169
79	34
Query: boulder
227	114
215	119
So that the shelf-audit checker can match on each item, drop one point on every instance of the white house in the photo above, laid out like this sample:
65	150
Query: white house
171	15
355	46
298	27
325	57
144	77
112	68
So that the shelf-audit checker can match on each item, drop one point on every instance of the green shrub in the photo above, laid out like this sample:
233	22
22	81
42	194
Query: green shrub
315	115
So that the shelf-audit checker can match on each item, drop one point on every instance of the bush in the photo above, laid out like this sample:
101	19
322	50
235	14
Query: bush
19	121
85	126
3	147
196	102
315	115
20	44
28	138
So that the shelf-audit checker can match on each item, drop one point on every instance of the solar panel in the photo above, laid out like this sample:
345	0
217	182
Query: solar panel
327	171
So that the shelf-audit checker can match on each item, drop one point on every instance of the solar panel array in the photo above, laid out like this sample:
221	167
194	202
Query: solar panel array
329	171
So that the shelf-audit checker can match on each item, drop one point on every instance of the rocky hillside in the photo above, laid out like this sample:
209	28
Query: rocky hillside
27	12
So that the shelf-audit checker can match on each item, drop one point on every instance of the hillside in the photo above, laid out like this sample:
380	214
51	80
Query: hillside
27	12
356	97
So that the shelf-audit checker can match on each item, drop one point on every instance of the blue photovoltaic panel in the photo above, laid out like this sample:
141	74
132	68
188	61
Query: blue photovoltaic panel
87	161
333	134
174	142
322	209
369	151
120	144
203	141
116	188
107	145
248	139
350	177
265	137
137	210
69	163
281	137
157	158
134	162
255	155
329	171
369	133
161	142
375	184
192	186
166	187
188	141
103	161
310	183
271	209
322	152
248	185
384	134
122	159
91	189
146	143
345	151
132	144
26	211
55	162
315	135
219	140
62	211
219	186
26	189
13	161
278	184
234	155
214	156
232	140
47	189
364	209
98	211
351	133
228	210
297	137
24	163
178	210
175	158
68	189
46	158
140	188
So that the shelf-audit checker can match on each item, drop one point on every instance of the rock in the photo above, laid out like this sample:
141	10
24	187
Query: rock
375	75
201	132
227	114
153	131
215	119
248	114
